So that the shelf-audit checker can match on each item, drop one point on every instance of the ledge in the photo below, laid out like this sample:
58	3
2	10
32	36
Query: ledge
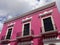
52	4
5	41
46	13
25	38
26	19
50	41
49	32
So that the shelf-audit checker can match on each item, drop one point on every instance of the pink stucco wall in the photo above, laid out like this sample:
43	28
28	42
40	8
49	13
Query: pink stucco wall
35	24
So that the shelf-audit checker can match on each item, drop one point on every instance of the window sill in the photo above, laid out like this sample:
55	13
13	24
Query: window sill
51	40
49	32
5	41
25	38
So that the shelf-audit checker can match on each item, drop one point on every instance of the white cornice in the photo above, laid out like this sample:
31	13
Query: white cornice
26	19
45	13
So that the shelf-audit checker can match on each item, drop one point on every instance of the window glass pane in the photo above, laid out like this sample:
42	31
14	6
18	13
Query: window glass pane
26	29
48	26
9	33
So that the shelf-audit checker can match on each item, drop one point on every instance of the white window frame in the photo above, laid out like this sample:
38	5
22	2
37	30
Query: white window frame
43	30
29	28
7	32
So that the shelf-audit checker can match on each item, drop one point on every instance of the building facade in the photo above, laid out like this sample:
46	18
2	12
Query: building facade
37	27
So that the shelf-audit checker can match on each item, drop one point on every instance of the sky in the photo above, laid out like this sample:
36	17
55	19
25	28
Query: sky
12	8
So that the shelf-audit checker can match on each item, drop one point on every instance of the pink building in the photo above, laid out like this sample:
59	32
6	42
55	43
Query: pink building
37	27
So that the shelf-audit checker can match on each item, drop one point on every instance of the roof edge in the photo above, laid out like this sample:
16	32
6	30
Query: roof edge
30	12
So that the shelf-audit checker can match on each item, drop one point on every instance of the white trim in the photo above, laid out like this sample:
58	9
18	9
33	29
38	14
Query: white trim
51	4
45	13
58	37
43	30
26	42
50	39
32	42
26	19
7	32
55	43
11	24
52	42
8	43
29	28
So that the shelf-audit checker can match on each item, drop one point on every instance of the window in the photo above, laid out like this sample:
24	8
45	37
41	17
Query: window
48	24
26	29
9	32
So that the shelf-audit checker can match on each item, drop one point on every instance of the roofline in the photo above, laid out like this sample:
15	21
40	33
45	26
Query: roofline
30	12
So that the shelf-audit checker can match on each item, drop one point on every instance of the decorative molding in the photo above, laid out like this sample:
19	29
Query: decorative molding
26	19
46	12
51	41
25	43
11	24
49	5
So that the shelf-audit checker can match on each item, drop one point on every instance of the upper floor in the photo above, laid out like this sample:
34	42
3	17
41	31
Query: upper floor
37	22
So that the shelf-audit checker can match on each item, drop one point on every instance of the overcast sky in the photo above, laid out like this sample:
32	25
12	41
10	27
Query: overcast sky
13	8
